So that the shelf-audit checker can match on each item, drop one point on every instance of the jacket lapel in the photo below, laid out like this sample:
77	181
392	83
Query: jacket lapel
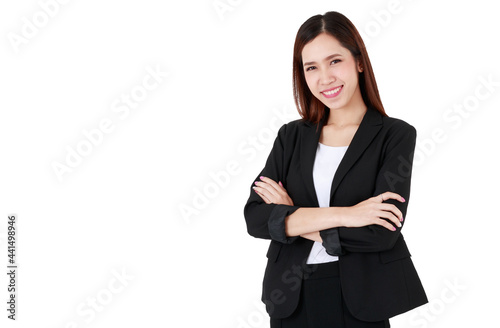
367	130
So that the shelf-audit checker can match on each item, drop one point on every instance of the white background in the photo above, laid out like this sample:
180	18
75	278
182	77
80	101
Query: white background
118	209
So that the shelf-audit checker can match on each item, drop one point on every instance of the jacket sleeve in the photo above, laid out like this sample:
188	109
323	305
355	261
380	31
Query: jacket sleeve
394	175
263	220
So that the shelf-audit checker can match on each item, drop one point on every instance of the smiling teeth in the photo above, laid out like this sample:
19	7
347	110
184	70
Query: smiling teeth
331	92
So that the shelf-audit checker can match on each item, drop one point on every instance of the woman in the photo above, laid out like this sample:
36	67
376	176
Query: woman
333	194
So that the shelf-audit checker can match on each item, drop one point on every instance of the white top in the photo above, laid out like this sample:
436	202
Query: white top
325	165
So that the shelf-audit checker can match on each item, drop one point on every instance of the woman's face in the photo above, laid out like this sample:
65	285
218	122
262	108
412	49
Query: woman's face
331	72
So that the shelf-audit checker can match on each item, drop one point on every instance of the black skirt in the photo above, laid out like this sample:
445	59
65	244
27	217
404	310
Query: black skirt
321	304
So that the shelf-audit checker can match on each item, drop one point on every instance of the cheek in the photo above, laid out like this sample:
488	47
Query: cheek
348	74
310	82
342	73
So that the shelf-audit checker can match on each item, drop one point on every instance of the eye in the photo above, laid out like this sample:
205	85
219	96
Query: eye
310	68
335	61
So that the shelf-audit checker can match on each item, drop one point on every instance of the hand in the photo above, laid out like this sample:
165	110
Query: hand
272	192
375	211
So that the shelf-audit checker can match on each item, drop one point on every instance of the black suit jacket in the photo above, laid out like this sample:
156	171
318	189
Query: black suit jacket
377	275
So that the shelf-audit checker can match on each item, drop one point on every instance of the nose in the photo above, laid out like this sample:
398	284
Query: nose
326	77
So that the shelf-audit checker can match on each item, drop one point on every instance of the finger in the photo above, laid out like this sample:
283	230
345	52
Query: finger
391	217
282	189
272	187
272	183
259	192
392	208
390	195
263	193
271	191
385	224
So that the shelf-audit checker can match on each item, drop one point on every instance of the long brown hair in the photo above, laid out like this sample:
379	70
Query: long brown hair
341	28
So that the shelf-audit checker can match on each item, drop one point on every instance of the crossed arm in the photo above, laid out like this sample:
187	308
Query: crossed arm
307	222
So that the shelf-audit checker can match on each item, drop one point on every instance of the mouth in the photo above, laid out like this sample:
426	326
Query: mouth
331	93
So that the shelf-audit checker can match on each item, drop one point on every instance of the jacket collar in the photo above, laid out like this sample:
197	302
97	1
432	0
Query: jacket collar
369	127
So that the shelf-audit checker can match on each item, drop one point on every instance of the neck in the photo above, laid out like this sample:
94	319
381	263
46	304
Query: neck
352	114
346	116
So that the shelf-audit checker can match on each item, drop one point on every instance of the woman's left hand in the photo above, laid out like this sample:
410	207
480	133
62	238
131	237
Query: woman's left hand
272	192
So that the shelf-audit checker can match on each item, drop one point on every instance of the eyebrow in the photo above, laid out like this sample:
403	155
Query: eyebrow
327	58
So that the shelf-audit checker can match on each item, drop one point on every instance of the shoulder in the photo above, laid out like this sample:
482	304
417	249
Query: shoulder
292	128
296	124
396	126
397	134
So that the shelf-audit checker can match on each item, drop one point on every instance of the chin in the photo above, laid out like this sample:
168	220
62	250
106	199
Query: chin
336	105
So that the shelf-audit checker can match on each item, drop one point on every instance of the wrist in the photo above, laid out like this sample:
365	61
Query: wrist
338	216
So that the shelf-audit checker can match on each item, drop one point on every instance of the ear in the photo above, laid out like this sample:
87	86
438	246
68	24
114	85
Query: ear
360	67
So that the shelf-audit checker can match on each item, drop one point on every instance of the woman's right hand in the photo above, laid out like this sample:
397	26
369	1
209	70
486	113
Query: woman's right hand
374	211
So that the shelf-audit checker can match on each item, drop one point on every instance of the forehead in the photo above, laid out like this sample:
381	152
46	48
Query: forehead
322	46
